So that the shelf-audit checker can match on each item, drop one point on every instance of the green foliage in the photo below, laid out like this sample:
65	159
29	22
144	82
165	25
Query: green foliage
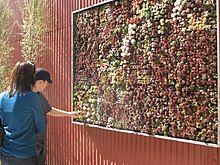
34	26
5	49
32	30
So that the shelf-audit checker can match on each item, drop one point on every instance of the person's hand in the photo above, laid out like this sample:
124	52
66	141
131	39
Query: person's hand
73	114
78	114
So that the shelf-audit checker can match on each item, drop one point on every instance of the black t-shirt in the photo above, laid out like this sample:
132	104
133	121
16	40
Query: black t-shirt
41	138
45	105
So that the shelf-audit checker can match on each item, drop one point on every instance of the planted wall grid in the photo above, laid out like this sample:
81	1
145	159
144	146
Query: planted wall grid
148	67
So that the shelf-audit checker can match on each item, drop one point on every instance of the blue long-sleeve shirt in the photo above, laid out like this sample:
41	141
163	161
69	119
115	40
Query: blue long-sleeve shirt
22	118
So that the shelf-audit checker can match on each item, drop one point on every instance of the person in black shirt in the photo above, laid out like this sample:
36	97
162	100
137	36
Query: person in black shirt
42	78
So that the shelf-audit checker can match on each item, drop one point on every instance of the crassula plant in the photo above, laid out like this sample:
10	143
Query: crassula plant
149	67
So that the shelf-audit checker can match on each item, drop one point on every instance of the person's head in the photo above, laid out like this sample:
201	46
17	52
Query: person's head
42	78
22	78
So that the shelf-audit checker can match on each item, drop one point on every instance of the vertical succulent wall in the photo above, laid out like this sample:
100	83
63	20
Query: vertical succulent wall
148	66
5	48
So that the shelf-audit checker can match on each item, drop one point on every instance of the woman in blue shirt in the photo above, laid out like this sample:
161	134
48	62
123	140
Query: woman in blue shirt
21	116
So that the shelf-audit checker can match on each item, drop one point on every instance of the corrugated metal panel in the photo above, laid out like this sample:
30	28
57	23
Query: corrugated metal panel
76	144
96	146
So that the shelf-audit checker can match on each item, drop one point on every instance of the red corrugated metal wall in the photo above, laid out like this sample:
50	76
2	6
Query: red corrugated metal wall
95	146
78	144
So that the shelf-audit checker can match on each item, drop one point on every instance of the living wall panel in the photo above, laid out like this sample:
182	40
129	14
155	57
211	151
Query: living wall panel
148	67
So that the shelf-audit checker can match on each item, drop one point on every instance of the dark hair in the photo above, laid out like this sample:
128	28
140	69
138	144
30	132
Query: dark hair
22	78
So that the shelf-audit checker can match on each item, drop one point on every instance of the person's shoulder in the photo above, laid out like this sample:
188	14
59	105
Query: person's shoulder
31	94
41	95
31	97
2	94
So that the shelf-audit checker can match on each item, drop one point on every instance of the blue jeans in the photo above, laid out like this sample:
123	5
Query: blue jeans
10	160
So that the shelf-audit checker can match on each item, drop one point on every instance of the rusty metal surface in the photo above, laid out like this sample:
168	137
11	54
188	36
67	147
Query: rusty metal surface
76	144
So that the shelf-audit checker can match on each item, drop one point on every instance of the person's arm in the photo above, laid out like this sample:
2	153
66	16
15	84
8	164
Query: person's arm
51	111
61	113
